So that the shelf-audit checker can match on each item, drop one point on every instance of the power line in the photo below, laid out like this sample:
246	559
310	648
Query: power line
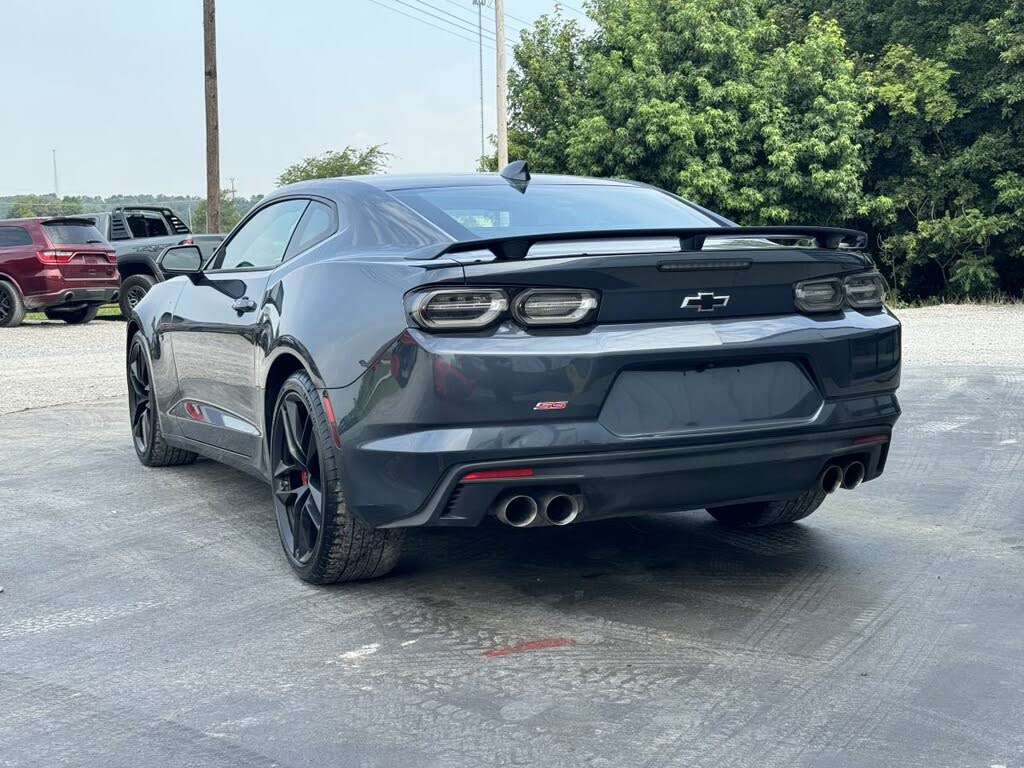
568	7
473	21
471	30
429	23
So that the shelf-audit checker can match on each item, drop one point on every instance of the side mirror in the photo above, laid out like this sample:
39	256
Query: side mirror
181	260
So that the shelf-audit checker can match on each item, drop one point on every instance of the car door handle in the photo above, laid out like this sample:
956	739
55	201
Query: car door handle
243	305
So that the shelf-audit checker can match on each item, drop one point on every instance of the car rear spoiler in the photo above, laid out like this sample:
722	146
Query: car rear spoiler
517	247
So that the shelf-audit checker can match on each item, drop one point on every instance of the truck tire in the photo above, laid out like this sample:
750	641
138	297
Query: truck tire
764	513
12	307
77	316
133	289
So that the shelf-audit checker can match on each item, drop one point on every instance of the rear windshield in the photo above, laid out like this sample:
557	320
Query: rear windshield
500	211
73	233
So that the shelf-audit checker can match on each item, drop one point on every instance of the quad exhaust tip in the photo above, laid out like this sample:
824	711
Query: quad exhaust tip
836	476
521	510
560	508
517	510
853	475
831	478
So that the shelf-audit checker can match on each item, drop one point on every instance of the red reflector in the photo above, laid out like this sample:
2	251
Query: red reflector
194	411
498	474
864	439
329	410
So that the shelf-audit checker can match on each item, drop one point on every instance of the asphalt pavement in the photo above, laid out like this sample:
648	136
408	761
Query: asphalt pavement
148	618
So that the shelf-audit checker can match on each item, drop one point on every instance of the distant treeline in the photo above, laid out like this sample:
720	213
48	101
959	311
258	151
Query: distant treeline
191	208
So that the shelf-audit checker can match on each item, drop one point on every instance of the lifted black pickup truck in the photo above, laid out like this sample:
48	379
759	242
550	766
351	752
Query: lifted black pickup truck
139	233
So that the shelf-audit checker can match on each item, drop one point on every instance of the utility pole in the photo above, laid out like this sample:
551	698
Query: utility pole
56	187
480	39
212	120
499	34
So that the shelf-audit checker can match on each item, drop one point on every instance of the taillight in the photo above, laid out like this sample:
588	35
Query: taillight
450	308
187	241
865	290
542	306
818	295
55	257
112	258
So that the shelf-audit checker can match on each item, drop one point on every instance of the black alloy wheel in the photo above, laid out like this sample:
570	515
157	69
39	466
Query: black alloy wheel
12	308
298	479
148	439
6	308
139	398
323	540
134	295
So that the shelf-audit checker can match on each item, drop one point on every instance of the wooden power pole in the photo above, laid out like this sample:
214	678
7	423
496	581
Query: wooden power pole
499	34
212	120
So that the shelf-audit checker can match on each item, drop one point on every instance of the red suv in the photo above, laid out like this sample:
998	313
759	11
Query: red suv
62	266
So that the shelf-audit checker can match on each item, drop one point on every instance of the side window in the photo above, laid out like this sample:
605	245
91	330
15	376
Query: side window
317	224
10	236
262	241
147	224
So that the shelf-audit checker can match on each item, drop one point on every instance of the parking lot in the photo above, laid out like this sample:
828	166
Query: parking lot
148	618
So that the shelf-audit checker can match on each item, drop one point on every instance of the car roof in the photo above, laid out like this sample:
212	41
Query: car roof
395	182
44	219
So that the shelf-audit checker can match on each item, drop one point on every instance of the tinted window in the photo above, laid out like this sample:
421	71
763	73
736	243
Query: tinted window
317	224
72	233
147	224
262	240
14	236
499	211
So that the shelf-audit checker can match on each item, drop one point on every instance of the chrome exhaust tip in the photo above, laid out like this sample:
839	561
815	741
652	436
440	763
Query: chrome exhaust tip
517	510
853	475
831	478
560	508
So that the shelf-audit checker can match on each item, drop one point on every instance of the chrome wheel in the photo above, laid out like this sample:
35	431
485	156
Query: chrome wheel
298	478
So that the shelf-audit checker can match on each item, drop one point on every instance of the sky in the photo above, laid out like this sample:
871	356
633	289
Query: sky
116	87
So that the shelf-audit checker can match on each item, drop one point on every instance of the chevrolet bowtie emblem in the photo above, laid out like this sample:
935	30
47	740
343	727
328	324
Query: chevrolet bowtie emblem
704	302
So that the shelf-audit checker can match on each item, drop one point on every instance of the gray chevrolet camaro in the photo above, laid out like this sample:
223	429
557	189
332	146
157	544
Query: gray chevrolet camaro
391	352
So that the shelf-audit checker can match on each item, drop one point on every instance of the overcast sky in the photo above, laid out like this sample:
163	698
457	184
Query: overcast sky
116	86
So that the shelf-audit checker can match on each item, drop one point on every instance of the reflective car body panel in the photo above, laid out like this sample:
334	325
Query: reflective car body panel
657	403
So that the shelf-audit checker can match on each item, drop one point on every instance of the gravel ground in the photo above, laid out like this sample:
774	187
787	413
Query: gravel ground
47	363
148	617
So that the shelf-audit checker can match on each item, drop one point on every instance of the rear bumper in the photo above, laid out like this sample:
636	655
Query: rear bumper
621	483
71	294
433	408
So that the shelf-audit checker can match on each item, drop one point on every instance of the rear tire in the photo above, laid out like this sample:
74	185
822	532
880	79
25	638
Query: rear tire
323	541
147	437
764	513
12	306
76	316
133	290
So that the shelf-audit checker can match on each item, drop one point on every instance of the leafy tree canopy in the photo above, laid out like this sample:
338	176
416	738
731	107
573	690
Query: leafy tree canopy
905	118
351	161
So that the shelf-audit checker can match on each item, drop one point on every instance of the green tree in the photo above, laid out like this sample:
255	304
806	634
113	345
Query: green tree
703	97
27	206
231	212
904	118
351	161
